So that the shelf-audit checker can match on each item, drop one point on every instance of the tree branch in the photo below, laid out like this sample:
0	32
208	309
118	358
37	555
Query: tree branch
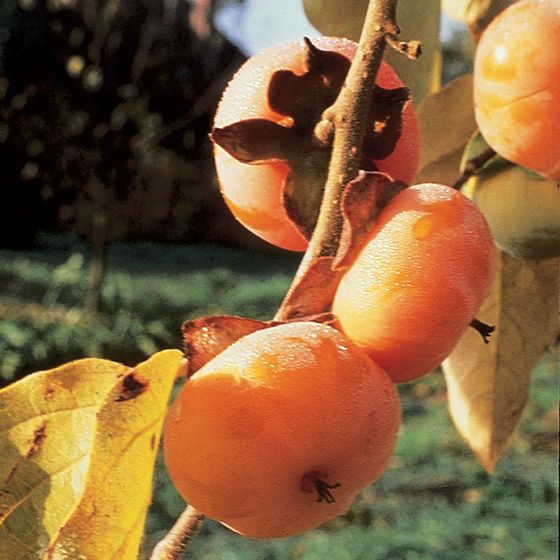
174	543
347	116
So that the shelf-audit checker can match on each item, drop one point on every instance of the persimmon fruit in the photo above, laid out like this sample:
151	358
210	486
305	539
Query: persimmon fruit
254	193
278	433
418	280
517	85
523	211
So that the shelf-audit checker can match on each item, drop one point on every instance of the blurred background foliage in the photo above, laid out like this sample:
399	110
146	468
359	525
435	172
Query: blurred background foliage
107	188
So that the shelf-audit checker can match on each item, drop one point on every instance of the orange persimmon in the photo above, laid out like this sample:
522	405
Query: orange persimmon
278	433
418	280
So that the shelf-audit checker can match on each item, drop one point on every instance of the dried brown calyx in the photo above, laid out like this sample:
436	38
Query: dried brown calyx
302	100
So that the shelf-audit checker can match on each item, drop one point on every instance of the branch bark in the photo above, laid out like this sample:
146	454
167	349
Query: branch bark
174	543
346	117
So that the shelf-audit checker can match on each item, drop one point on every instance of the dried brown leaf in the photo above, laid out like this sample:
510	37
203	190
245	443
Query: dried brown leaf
205	337
313	294
488	384
255	140
361	201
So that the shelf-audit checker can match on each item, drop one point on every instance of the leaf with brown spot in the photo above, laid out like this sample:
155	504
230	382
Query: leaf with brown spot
77	461
132	385
205	337
108	520
47	423
361	202
446	122
488	383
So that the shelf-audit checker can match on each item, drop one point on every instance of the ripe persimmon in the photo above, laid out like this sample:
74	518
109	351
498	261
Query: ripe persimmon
278	433
254	192
418	280
517	85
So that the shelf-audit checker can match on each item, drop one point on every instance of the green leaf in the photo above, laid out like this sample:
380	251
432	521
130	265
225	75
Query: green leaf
477	14
78	445
417	20
446	121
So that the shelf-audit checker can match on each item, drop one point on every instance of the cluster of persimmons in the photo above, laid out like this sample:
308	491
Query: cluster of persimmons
280	431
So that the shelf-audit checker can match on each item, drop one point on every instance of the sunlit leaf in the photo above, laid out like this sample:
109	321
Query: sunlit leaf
446	121
47	423
417	21
108	521
488	384
77	447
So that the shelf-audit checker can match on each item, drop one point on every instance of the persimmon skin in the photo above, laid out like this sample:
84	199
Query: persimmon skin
418	281
523	212
517	85
251	429
254	192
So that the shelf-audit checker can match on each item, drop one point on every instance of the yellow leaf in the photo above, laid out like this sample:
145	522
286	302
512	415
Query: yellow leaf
47	421
109	519
446	122
488	384
417	21
70	438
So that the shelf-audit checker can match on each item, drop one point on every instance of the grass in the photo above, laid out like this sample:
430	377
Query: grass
434	502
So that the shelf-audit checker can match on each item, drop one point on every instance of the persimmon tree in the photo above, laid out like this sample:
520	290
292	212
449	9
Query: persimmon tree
79	441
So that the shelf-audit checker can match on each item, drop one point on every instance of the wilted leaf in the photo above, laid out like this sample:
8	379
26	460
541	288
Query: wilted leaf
313	294
47	423
417	20
205	337
289	94
361	201
255	140
385	122
446	121
488	384
477	14
108	520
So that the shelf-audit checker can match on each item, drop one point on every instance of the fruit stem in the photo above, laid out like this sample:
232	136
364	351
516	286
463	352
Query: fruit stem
483	329
312	483
473	166
174	543
347	116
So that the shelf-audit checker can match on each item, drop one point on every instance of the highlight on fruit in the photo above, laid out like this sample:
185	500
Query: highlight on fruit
279	432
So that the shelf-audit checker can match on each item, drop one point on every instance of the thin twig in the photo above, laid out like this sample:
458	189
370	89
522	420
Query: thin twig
348	117
473	165
174	543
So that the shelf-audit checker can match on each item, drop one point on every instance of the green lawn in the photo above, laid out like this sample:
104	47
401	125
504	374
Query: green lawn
434	502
